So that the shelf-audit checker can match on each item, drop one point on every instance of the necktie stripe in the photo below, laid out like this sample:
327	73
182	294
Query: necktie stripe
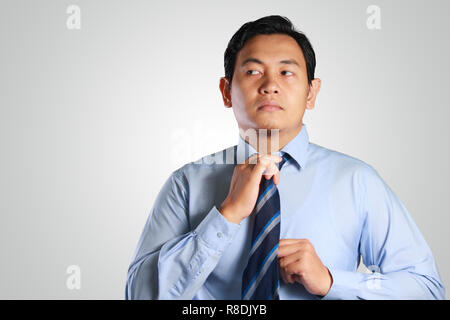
264	197
266	282
266	212
274	293
265	191
261	272
268	227
260	253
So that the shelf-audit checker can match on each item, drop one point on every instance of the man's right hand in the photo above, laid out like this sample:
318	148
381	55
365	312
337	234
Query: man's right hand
245	183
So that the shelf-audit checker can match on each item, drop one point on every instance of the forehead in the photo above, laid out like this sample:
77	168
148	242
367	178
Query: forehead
271	48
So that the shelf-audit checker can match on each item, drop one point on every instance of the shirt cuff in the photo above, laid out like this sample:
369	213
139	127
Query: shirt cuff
345	285
216	231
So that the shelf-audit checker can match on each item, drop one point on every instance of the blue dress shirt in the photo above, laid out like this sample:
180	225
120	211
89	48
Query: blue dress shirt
188	250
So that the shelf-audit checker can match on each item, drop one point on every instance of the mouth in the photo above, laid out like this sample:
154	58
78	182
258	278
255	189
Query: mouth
269	106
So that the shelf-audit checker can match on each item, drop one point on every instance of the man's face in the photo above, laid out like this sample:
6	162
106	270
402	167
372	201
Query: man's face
269	68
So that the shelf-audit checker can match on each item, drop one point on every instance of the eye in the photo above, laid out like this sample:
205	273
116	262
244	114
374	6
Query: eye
286	71
250	71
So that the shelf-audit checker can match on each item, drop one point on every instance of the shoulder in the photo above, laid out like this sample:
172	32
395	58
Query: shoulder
345	168
339	161
348	172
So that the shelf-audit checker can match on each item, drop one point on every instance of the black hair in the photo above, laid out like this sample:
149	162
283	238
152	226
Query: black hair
268	25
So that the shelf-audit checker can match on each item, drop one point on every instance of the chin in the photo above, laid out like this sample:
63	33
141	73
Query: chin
269	125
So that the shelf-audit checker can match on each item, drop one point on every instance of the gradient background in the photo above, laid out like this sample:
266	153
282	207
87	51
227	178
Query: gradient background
93	121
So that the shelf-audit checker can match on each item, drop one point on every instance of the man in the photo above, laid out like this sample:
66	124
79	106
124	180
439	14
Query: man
204	238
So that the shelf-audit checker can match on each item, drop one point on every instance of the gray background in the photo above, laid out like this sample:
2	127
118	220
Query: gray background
93	121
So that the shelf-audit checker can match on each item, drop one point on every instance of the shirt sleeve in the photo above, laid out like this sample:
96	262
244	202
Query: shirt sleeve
172	261
392	248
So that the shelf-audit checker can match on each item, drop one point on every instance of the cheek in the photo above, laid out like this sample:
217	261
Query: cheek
297	104
300	92
299	96
242	97
238	95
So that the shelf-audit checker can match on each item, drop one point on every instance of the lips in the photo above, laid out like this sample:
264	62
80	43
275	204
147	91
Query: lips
269	106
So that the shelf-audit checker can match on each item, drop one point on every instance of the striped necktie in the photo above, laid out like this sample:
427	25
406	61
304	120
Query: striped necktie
261	278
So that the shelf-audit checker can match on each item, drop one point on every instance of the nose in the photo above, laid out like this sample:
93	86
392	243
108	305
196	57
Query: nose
269	86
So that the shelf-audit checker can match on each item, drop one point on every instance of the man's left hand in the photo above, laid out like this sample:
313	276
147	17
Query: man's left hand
300	263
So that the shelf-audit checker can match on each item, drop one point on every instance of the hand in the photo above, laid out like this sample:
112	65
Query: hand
300	263
244	187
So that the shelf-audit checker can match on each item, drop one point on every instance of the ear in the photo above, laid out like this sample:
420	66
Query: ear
312	94
225	90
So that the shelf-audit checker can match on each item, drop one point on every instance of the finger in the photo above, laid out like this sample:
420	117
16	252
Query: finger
293	269
273	157
255	158
292	258
271	170
276	177
286	278
291	278
260	169
287	250
283	275
297	278
289	241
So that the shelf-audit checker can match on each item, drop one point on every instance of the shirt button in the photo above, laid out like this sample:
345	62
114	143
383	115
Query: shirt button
219	234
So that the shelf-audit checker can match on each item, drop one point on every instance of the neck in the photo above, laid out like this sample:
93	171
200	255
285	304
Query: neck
266	141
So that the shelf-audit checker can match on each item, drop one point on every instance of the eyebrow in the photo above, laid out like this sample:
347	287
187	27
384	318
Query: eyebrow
287	61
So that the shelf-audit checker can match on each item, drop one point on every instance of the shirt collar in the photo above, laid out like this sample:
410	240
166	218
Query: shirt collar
297	148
